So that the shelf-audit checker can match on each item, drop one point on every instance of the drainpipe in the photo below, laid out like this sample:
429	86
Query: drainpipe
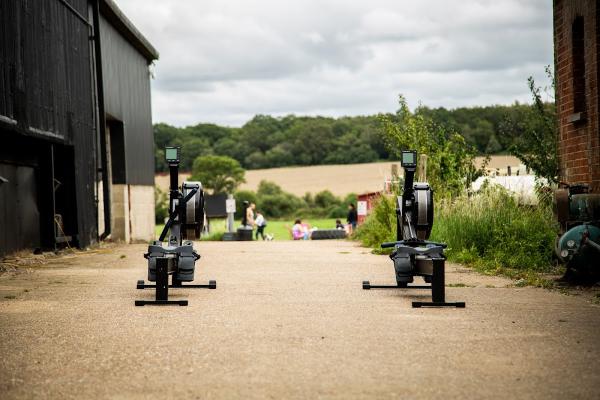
101	121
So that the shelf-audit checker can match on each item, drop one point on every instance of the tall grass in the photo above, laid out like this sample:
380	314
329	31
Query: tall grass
490	231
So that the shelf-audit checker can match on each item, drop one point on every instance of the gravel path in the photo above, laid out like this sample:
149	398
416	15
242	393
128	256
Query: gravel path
288	320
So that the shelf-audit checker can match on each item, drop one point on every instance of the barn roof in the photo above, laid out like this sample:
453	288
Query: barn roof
117	18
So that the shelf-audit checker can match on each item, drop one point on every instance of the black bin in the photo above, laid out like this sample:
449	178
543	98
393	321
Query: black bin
244	234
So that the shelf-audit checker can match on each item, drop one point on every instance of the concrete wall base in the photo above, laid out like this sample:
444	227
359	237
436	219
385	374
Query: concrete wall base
132	212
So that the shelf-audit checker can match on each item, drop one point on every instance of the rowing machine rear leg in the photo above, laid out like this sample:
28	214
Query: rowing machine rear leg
162	287
438	289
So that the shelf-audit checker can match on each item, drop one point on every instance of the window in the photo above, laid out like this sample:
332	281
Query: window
578	48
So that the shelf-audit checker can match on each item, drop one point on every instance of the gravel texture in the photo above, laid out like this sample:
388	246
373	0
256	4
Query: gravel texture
288	320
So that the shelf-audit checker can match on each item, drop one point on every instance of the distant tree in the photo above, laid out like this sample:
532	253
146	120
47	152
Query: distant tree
231	146
164	135
534	133
256	160
450	159
311	140
325	199
159	160
220	174
209	132
279	156
257	132
268	188
493	146
192	149
268	142
280	205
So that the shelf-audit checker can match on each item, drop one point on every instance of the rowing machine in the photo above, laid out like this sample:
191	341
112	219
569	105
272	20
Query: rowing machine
413	255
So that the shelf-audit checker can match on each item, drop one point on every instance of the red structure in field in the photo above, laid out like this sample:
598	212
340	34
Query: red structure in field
365	203
576	43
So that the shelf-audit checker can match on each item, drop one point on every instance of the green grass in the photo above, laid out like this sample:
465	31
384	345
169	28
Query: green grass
278	228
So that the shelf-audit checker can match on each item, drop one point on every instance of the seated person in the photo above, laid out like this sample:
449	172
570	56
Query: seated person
338	224
300	231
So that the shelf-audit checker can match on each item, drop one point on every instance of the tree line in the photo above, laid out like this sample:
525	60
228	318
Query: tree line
269	142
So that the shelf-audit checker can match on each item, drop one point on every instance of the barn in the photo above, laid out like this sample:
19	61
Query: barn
76	152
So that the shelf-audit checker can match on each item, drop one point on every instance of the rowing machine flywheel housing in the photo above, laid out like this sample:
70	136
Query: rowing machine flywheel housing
422	220
194	212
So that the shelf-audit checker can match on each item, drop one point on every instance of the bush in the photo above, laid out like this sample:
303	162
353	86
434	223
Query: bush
341	209
492	231
380	226
219	174
325	199
275	203
450	168
280	205
268	188
351	198
340	212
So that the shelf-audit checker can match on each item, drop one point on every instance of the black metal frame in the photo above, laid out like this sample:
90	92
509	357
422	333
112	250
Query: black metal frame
437	287
162	286
176	224
406	214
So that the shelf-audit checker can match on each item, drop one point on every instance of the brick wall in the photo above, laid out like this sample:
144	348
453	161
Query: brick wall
579	140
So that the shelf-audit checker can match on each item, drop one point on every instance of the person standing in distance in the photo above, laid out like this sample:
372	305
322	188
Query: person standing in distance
250	216
246	204
352	218
261	223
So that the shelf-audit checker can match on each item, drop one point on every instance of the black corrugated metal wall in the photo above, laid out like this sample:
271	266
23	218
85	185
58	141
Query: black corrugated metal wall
127	99
46	97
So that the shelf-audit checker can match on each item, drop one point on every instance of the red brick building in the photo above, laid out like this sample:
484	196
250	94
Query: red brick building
576	45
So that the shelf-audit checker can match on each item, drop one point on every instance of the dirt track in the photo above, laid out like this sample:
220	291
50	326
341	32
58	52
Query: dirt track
288	320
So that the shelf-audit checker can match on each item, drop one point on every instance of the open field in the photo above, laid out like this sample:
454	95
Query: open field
288	320
339	179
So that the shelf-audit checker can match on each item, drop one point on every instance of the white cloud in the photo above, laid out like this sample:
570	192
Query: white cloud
224	61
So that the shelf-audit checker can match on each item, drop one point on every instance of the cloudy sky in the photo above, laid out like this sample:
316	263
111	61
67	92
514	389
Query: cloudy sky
224	61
